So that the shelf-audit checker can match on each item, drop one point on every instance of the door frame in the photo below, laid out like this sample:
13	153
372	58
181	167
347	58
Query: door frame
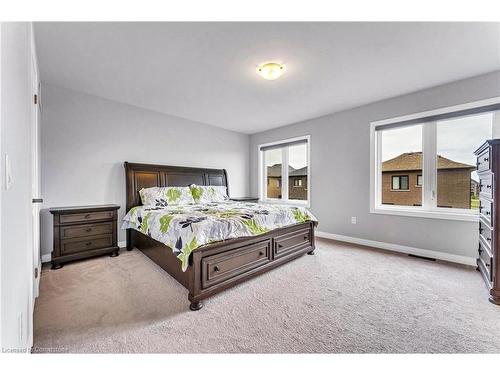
36	158
1	187
35	184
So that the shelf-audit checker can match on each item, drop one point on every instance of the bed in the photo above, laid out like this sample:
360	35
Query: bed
213	267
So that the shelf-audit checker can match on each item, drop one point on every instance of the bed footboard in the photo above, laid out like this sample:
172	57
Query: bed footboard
217	267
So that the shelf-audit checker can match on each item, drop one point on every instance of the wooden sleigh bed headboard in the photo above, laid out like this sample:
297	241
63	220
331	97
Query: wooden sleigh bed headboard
140	176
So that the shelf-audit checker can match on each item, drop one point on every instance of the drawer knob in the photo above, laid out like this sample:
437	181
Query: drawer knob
88	230
485	159
88	244
87	216
216	269
488	239
488	265
488	186
487	212
261	253
280	245
306	238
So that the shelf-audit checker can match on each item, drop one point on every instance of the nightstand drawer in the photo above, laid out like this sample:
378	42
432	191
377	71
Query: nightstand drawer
76	245
71	231
86	216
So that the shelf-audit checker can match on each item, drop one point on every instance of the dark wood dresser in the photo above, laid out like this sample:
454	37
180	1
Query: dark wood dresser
83	232
488	169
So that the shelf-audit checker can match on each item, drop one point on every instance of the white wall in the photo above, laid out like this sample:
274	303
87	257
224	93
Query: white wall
16	244
340	168
86	139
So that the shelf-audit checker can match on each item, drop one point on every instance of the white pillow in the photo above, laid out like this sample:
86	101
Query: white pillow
166	196
208	194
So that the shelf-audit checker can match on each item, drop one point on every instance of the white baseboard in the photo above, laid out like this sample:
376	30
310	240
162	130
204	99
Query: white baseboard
122	243
470	261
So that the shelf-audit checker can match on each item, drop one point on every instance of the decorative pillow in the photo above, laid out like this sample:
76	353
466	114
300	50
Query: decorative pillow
208	194
166	196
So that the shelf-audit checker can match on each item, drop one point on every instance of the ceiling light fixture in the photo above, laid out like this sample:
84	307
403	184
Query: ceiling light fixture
271	70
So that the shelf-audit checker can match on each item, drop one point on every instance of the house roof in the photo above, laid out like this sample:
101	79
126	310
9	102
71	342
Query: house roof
298	172
412	161
275	171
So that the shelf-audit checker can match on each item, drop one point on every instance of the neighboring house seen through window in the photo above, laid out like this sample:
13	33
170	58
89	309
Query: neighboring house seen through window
419	180
285	169
428	167
399	182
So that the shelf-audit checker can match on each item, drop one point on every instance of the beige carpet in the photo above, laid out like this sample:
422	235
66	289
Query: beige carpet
343	299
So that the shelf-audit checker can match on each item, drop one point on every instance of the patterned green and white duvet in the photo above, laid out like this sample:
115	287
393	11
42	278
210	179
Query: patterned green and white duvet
184	228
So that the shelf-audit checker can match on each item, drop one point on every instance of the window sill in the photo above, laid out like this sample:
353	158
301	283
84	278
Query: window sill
398	190
286	202
437	214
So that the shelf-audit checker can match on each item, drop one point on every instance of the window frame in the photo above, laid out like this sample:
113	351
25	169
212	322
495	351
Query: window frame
262	178
429	207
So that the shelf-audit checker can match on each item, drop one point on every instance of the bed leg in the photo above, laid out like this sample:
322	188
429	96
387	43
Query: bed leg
311	252
129	239
195	306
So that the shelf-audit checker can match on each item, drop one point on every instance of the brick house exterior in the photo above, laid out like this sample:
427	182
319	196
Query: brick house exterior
402	181
474	187
274	181
297	182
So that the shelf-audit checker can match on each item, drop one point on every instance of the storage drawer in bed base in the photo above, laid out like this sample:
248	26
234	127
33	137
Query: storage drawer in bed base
223	266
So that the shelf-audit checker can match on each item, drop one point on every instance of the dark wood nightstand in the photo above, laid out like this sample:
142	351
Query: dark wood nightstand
246	199
83	232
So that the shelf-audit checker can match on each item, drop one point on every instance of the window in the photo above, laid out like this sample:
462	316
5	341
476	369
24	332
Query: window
424	164
273	161
401	159
285	170
400	183
456	163
419	180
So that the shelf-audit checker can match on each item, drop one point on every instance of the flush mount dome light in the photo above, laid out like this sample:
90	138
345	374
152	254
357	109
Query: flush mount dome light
271	70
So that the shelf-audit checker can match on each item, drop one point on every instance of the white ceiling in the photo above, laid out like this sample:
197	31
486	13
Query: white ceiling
206	71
